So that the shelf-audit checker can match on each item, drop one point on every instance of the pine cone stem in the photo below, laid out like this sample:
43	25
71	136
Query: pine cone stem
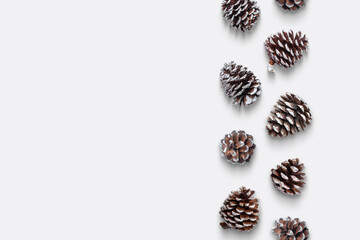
271	66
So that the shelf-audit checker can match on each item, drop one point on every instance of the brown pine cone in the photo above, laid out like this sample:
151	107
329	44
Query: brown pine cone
291	229
291	114
240	85
242	14
288	177
285	48
238	147
291	5
240	210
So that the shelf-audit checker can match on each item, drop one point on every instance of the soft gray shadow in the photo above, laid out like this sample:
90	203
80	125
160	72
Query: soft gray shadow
234	234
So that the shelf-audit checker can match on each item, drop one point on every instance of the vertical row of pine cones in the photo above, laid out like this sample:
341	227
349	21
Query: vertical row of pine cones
291	114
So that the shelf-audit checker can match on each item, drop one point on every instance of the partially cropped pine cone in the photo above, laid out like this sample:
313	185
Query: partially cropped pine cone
288	229
288	177
291	5
240	210
291	115
242	14
238	147
240	84
285	48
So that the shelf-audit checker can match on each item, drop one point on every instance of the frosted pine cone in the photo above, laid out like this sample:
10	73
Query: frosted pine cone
241	85
291	229
238	147
288	177
285	48
291	5
291	115
240	210
242	14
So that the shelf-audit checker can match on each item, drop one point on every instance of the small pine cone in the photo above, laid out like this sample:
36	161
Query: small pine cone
291	5
291	229
238	147
240	210
288	177
291	114
285	48
242	14
240	85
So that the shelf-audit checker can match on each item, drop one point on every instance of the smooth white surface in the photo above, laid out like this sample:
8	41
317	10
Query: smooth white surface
111	115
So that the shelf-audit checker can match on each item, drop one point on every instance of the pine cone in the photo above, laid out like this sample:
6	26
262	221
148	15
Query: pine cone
238	147
291	114
242	14
240	210
291	5
240	85
291	229
288	177
285	48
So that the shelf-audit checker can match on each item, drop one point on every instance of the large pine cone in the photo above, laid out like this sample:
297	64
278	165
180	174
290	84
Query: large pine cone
291	5
291	114
285	48
238	147
291	229
288	177
240	210
240	85
242	14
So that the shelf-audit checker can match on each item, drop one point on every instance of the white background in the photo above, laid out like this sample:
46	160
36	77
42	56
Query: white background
111	115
